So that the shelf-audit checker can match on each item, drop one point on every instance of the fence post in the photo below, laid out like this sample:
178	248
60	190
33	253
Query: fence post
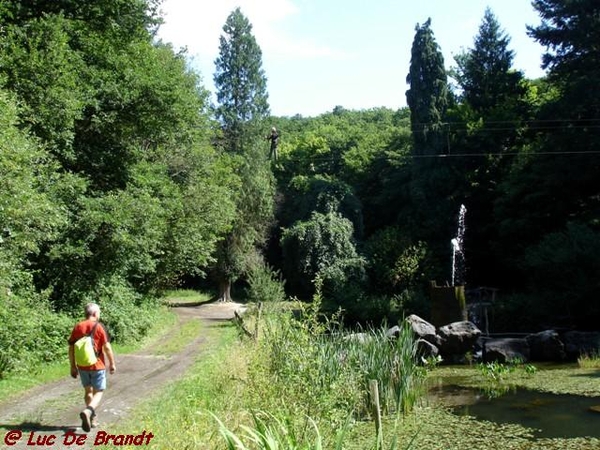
376	411
260	305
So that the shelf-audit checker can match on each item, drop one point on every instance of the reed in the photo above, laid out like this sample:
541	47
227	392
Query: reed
589	360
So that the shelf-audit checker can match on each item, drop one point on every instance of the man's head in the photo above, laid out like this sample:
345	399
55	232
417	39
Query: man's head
92	310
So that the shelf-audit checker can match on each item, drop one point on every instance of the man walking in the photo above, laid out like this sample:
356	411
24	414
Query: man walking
93	377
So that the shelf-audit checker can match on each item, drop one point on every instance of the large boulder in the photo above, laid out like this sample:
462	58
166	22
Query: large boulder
458	338
546	346
423	330
579	343
426	349
504	350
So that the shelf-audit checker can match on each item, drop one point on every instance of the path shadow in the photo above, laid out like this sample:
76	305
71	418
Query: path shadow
36	426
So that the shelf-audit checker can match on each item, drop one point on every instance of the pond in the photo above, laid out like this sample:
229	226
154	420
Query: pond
550	415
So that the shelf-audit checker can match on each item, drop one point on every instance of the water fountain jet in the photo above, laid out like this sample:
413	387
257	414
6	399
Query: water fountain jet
448	302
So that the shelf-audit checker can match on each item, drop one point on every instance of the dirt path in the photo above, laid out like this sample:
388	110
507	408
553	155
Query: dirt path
53	409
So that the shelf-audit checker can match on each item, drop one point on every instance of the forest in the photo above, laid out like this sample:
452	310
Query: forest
120	179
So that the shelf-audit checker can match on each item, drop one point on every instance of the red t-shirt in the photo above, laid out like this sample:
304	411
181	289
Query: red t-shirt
100	338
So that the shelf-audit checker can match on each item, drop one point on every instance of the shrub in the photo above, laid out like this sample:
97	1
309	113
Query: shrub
265	284
31	334
126	314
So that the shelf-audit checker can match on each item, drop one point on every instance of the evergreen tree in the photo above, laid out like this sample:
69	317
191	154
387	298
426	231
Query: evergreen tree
570	30
240	81
485	72
427	97
430	208
490	120
243	107
569	181
554	189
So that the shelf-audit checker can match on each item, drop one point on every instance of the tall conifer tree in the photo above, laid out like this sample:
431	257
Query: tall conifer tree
240	81
493	108
432	184
485	73
243	107
427	97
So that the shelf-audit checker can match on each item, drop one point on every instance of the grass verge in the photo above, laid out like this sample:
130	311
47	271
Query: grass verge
180	415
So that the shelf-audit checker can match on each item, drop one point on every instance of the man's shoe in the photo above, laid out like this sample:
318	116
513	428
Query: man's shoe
86	423
94	421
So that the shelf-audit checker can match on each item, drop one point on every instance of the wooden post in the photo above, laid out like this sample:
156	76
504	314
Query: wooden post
376	411
260	305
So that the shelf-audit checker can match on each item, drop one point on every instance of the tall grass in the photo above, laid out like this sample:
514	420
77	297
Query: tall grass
270	433
318	374
589	360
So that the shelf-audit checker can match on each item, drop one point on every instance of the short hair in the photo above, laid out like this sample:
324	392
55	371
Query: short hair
91	308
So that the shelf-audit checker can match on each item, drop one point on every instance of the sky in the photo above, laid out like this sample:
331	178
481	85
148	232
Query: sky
319	54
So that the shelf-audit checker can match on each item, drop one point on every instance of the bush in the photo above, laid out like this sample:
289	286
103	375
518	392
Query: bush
127	315
31	334
265	284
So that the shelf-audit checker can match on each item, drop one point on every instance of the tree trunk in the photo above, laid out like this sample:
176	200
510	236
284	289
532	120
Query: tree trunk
224	291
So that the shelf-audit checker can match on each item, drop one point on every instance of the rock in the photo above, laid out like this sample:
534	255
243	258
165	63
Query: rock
393	332
423	330
506	349
458	338
426	349
546	346
578	343
360	338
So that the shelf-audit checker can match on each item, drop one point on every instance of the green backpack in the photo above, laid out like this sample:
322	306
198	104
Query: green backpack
85	354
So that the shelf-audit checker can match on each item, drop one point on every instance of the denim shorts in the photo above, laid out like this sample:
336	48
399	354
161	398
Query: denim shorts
94	378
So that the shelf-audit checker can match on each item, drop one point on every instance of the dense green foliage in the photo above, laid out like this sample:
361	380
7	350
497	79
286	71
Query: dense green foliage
111	190
520	154
118	180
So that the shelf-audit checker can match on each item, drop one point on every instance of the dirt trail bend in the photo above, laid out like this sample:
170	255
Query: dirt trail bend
48	416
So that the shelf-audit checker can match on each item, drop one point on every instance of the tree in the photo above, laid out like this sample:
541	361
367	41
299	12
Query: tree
427	97
243	107
570	32
129	125
490	120
484	73
432	186
240	81
567	183
552	193
321	246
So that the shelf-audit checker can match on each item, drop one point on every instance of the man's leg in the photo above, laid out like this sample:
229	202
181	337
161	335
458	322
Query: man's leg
92	401
95	383
93	396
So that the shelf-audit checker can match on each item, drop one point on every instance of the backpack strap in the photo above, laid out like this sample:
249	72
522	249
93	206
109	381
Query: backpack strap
92	336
